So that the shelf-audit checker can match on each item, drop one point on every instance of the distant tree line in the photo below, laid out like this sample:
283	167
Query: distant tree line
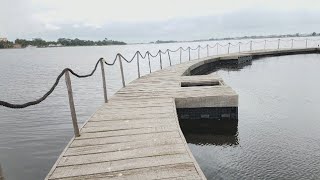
78	42
162	42
267	36
6	44
38	42
34	42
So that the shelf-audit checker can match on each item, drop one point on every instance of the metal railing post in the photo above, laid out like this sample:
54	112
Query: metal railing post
189	53
180	55
71	104
149	61
217	48
228	48
278	43
160	59
207	50
239	46
307	43
265	44
250	45
169	57
104	81
138	65
291	43
121	70
199	47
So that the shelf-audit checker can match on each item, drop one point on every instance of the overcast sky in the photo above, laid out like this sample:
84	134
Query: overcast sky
150	20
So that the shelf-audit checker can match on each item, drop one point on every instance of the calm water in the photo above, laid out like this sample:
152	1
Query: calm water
279	120
31	139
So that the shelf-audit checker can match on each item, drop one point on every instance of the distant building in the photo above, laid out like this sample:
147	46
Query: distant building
3	40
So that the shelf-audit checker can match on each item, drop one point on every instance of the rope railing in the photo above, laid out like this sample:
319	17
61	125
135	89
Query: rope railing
119	57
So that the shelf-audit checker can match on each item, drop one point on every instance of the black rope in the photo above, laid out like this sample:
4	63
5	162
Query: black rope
111	64
145	55
174	50
154	55
205	47
194	48
184	49
19	106
213	46
138	53
128	61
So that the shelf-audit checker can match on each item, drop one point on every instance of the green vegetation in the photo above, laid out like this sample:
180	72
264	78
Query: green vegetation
162	42
78	42
40	43
35	42
6	44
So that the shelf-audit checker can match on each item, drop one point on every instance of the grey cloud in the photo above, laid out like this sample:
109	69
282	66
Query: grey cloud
240	23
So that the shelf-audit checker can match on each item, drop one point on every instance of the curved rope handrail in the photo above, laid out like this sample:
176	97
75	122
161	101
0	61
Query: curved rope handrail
136	56
47	94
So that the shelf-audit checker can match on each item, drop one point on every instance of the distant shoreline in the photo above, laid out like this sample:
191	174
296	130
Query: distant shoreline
314	34
116	43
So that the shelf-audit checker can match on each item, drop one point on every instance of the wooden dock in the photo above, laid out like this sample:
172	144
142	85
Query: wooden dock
136	135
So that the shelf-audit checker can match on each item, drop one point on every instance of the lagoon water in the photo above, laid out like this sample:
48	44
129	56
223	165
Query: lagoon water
278	129
277	117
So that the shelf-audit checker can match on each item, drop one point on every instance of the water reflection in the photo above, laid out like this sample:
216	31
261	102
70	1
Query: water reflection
211	132
1	173
229	67
211	139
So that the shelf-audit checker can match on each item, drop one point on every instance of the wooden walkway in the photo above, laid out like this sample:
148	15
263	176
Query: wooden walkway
136	135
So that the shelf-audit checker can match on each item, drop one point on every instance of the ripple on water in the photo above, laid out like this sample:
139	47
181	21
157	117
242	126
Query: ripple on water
278	130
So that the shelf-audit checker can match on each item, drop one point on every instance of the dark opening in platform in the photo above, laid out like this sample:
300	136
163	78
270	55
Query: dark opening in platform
206	83
214	120
209	126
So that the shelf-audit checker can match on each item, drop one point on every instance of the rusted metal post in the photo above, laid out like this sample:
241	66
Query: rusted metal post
228	48
189	53
199	47
160	59
121	70
71	103
149	61
104	81
278	43
138	64
207	50
291	43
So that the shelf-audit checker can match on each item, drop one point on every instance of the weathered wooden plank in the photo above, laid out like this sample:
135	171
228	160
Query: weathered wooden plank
106	117
75	151
105	167
119	139
185	170
123	154
128	122
148	130
136	110
125	127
